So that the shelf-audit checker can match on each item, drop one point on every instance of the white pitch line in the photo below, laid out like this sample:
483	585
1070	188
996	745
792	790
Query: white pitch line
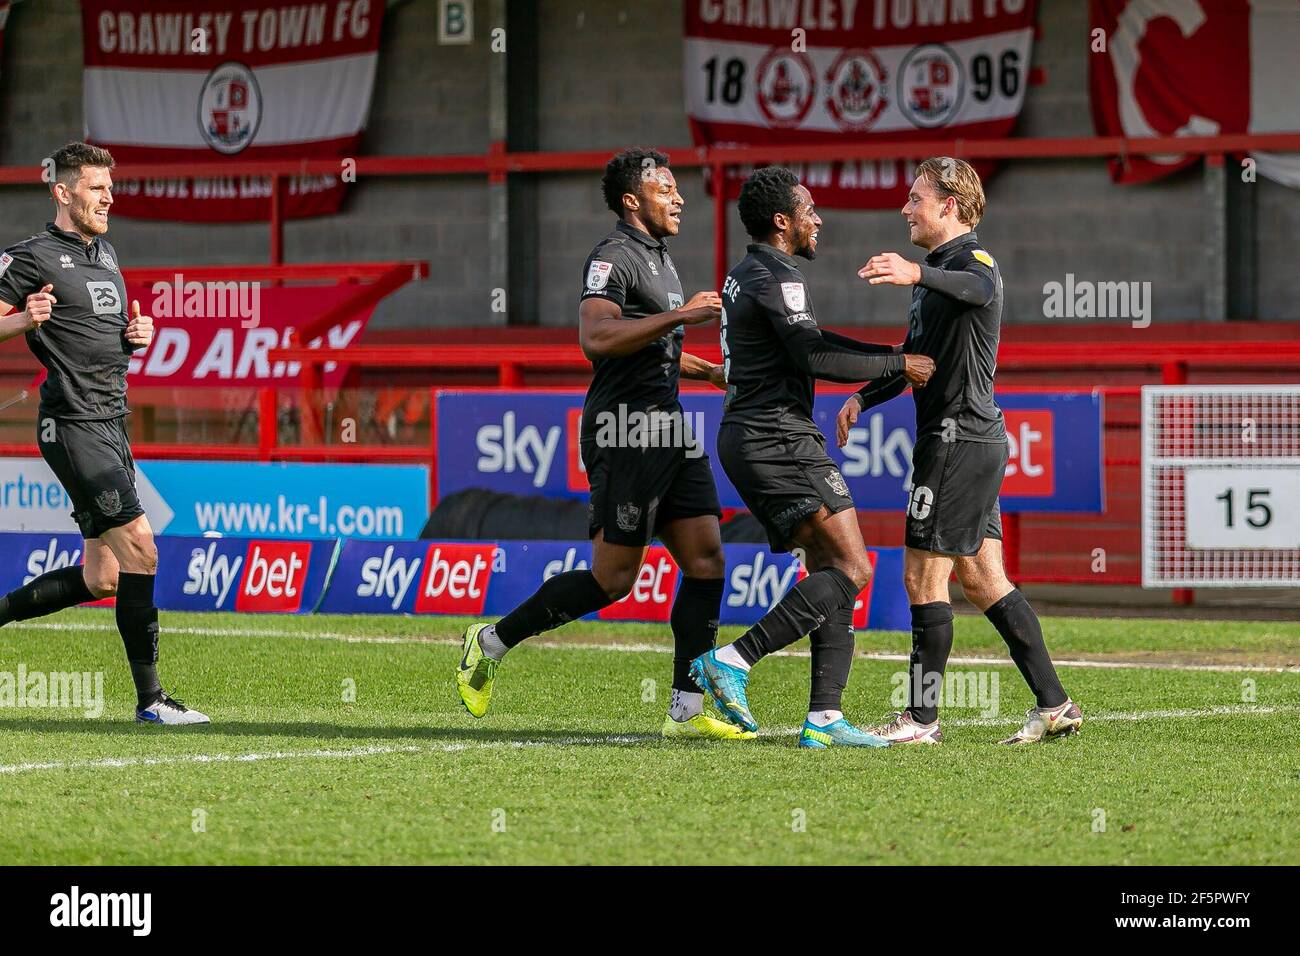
611	740
644	648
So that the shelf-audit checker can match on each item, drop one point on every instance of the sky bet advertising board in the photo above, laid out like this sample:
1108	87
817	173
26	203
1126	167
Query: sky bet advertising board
195	573
488	579
477	579
526	443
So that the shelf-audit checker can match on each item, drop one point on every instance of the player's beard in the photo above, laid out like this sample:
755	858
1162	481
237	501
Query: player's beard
83	217
806	249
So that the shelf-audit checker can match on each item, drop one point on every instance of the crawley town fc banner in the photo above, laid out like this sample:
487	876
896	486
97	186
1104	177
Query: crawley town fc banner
191	81
1196	68
769	72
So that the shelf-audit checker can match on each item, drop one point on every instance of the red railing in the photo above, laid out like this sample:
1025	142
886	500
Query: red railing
497	164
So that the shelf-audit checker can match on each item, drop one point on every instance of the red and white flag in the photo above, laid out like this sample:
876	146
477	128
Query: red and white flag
176	81
830	71
1196	68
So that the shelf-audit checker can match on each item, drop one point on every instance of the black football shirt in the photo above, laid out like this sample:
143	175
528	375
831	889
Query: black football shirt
635	272
82	344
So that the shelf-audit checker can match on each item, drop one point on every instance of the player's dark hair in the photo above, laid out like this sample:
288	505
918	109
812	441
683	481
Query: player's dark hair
766	192
69	160
626	172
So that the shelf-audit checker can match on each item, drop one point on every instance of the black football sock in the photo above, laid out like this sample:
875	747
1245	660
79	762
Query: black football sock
805	607
931	645
137	622
561	599
1019	627
52	591
832	656
695	626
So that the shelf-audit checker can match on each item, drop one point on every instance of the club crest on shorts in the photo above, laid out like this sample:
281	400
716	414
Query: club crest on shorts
836	481
108	502
5	261
598	274
794	296
627	516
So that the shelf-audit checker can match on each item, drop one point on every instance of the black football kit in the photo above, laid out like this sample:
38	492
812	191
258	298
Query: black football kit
961	442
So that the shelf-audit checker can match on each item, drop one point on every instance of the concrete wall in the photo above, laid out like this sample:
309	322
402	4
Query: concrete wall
609	76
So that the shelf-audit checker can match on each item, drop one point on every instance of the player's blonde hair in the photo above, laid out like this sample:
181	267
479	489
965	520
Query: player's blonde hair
956	178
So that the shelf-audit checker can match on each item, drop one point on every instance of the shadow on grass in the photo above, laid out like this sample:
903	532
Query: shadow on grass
322	734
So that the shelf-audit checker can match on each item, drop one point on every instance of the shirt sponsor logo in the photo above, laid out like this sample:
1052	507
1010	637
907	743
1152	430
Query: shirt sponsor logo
598	275
104	299
793	294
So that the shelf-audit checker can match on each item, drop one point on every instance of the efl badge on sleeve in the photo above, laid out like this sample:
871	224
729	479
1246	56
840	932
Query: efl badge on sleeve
793	294
598	275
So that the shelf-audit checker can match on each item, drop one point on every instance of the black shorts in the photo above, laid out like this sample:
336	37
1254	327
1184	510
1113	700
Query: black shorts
783	476
954	502
636	491
92	460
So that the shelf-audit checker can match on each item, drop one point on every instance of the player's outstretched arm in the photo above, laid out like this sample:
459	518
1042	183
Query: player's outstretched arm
973	284
604	333
867	348
702	370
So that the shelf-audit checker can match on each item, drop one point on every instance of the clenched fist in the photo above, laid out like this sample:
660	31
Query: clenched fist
917	369
139	329
703	307
39	306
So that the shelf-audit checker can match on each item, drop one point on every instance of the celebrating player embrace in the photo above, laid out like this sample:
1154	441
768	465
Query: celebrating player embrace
960	456
74	314
632	321
773	452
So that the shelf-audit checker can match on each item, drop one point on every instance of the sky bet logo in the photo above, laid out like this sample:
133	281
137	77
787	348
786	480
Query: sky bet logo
506	448
1031	468
272	579
762	582
447	579
651	597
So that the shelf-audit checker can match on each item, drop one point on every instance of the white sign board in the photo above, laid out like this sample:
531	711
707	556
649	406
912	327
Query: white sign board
1242	507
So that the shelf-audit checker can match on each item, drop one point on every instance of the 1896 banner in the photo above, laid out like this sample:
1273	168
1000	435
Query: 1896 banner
827	71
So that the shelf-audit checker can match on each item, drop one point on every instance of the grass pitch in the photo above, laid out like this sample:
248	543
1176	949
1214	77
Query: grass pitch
1185	756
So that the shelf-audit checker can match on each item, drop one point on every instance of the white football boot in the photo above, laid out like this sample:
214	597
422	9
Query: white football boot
1045	723
902	728
165	710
